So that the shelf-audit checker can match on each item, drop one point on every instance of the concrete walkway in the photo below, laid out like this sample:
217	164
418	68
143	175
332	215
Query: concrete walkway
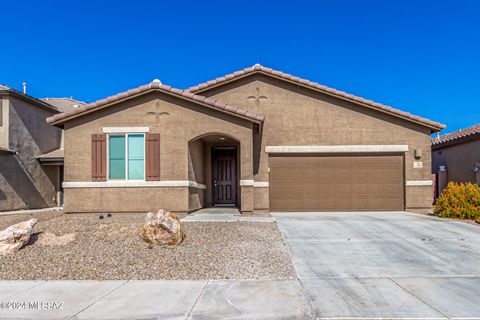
391	265
213	299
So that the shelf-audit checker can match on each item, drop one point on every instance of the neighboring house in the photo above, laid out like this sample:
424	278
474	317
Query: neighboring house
28	177
258	139
456	156
64	104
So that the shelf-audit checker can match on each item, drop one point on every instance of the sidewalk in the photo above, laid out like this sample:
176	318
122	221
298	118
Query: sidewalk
155	299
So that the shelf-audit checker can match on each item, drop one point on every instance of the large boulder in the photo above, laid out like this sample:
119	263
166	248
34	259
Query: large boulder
162	228
16	236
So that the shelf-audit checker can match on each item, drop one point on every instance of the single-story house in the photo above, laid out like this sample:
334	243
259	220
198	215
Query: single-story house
456	157
257	139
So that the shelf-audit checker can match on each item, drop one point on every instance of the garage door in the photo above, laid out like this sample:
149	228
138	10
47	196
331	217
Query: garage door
336	183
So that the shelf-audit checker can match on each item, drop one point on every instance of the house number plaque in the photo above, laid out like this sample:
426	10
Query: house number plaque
418	164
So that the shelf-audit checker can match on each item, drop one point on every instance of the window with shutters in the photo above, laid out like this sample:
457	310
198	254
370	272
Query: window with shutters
126	156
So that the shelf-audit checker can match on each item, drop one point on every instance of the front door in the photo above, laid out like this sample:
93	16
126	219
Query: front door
224	168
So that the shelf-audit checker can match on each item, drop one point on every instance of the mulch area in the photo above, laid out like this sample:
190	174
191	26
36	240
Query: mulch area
82	246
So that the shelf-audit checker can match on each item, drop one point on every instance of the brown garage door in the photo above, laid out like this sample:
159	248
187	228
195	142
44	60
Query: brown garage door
336	183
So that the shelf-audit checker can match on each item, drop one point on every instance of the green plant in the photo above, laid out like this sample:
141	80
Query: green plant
461	201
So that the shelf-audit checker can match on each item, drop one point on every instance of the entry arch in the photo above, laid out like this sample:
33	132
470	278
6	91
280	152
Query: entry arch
214	164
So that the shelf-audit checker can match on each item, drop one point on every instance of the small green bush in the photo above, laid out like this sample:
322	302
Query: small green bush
461	201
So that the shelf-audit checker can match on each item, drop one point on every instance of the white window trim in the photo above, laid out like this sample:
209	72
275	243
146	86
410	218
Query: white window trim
413	183
255	184
337	149
126	129
133	184
126	155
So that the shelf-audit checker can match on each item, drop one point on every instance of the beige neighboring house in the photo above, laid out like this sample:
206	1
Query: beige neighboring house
257	139
26	180
456	157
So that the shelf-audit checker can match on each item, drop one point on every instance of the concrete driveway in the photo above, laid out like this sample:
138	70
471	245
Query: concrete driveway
392	265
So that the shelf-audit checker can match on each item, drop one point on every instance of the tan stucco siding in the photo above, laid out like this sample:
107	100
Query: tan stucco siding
178	123
460	159
196	162
298	116
97	200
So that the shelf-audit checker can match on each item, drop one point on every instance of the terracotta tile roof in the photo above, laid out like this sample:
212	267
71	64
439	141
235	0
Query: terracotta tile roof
278	74
460	134
156	85
63	104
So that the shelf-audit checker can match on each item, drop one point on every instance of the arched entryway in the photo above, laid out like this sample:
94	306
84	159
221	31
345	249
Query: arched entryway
214	162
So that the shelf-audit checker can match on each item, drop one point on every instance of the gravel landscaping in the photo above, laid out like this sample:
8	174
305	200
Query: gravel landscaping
84	247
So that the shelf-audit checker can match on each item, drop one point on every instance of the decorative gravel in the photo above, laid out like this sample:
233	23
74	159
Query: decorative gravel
111	249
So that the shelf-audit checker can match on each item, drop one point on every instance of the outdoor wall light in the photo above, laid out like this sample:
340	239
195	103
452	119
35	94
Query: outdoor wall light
418	153
476	169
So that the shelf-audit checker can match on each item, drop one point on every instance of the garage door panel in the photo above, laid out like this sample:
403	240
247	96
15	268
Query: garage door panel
392	189
344	174
360	174
358	189
360	204
376	173
343	188
294	174
279	189
375	188
278	202
325	174
391	173
336	183
344	205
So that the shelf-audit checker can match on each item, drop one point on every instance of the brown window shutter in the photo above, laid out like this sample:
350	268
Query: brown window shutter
152	155
99	157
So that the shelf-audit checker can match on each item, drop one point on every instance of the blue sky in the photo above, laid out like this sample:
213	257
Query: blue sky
421	56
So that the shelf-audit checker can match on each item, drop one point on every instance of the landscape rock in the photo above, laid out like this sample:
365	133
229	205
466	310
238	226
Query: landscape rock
51	239
16	236
162	228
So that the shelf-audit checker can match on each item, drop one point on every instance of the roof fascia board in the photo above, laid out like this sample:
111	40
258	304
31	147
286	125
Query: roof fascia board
29	99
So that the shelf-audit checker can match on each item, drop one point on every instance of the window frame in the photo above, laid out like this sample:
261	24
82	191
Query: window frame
125	134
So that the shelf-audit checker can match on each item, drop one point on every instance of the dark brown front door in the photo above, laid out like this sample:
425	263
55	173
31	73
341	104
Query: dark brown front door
224	175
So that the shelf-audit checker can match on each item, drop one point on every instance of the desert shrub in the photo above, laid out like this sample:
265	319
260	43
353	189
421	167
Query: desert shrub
460	201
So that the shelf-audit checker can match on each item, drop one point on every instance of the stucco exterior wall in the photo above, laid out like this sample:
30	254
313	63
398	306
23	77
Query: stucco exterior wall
195	162
299	116
99	200
460	159
178	122
24	182
196	197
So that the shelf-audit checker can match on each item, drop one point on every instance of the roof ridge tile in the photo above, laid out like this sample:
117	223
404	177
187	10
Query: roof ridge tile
456	135
260	68
154	85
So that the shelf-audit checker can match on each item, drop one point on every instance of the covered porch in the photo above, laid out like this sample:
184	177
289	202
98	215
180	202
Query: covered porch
214	165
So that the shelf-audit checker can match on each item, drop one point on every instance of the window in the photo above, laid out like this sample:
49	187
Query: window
126	157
